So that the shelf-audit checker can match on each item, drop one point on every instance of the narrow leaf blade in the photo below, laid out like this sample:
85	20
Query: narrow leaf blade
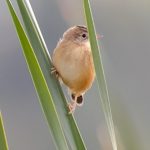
40	84
36	39
3	140
100	76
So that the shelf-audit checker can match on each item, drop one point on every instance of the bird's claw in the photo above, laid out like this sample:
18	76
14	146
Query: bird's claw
55	72
71	107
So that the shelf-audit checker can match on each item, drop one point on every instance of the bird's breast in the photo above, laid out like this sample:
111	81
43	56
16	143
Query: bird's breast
75	67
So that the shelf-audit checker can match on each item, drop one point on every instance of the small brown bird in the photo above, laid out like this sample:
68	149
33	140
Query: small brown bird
73	63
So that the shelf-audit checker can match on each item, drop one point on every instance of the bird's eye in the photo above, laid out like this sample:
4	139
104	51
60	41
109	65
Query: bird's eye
84	35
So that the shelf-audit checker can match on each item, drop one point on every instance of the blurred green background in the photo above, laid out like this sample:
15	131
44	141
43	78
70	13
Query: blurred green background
126	56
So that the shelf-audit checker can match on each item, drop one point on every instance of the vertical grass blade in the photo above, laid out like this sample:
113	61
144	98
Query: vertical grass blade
3	140
40	84
36	39
100	76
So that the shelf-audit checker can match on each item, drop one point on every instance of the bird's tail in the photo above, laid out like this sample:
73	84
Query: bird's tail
78	99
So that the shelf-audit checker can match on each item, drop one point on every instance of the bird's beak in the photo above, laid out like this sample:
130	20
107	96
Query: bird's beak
98	36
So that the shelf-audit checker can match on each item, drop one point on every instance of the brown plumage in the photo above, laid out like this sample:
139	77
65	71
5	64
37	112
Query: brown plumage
72	60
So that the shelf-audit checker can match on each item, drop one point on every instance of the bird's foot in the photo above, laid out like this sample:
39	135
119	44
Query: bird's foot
72	106
55	72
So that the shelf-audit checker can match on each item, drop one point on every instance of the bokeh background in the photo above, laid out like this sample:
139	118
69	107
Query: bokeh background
125	48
